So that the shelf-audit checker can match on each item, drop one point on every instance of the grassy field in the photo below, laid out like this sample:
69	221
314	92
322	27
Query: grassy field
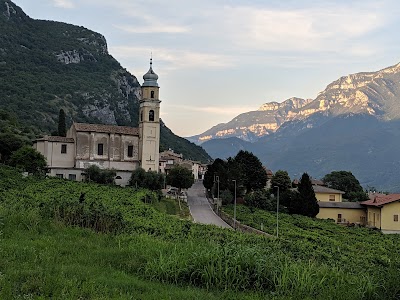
70	240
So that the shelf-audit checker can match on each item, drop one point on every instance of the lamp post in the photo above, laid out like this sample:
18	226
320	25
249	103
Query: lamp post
217	178
234	207
277	213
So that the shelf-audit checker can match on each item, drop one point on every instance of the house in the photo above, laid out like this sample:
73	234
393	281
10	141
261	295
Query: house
342	212
121	148
323	193
331	206
169	159
383	212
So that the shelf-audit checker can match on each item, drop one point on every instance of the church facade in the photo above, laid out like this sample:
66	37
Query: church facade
121	148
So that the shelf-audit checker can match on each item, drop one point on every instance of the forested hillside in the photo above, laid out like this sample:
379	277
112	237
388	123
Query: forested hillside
47	65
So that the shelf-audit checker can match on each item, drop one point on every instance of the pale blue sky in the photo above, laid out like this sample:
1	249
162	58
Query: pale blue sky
217	59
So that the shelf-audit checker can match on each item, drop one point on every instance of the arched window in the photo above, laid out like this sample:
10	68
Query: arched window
141	116
152	94
151	115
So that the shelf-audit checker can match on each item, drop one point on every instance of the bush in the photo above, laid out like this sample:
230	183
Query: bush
226	197
106	176
29	160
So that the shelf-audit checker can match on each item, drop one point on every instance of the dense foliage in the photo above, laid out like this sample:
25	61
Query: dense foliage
282	180
136	248
180	177
306	203
10	142
252	174
102	176
29	160
345	181
62	127
149	180
245	169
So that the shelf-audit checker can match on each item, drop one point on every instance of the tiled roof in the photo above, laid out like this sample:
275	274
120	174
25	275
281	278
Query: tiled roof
317	182
326	190
380	200
106	128
60	139
324	204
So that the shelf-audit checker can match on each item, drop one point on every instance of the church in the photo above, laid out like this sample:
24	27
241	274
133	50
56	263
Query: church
121	148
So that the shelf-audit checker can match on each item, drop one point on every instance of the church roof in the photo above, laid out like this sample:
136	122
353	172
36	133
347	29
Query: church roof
106	128
150	78
59	139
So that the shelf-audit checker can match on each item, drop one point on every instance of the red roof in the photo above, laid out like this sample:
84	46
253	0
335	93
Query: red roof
380	200
106	128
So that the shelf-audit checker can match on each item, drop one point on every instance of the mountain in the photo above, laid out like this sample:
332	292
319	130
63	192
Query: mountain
374	93
354	124
251	125
47	65
224	148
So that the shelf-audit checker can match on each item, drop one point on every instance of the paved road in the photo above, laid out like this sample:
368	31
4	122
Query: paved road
200	208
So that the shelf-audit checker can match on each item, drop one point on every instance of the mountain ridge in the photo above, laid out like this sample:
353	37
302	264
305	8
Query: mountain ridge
352	125
374	93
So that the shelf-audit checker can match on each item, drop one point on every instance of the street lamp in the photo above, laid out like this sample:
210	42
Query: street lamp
277	213
234	207
217	178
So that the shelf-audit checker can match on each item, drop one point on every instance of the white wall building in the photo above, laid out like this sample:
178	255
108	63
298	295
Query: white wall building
108	146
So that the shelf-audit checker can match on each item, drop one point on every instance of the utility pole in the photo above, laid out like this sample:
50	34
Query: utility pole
234	207
277	213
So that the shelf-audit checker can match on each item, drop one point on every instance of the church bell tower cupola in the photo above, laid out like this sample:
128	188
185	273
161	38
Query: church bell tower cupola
149	121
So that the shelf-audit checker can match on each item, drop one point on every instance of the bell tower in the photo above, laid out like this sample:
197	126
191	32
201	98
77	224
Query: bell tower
149	122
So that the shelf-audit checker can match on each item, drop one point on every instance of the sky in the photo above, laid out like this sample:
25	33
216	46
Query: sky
217	59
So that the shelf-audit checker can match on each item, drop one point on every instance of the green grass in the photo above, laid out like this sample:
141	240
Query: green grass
170	206
112	245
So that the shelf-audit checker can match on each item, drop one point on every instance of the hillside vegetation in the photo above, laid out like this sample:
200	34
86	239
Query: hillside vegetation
63	239
46	66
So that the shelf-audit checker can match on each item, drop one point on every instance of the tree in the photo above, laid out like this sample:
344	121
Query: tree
305	203
253	176
180	178
282	180
29	160
149	180
62	128
106	176
346	182
9	143
260	199
226	197
217	171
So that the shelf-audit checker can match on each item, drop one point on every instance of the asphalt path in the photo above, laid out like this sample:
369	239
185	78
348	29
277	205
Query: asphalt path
200	208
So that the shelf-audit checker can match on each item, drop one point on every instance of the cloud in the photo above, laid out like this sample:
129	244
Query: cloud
155	28
217	110
307	29
175	59
63	3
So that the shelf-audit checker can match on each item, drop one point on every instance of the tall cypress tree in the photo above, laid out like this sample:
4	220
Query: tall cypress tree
62	129
308	202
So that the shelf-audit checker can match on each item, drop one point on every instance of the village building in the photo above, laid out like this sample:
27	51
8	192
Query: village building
331	206
121	148
383	212
169	159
